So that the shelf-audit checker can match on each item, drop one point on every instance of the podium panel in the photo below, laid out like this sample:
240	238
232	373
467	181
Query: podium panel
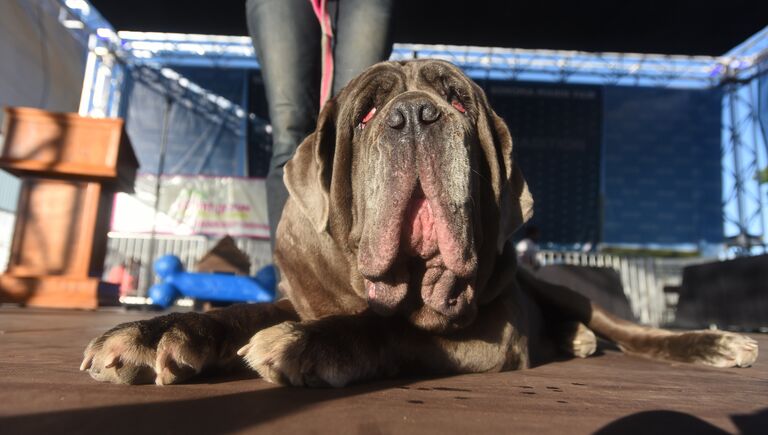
70	167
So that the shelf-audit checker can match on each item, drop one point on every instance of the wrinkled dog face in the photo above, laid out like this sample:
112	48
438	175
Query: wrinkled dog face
416	126
421	169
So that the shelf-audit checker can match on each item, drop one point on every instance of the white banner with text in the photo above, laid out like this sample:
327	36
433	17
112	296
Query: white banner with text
194	205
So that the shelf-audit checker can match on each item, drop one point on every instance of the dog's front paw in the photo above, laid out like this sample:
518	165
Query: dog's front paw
275	353
164	350
578	341
285	354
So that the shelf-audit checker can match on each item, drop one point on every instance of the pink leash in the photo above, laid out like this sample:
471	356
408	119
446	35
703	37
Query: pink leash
327	49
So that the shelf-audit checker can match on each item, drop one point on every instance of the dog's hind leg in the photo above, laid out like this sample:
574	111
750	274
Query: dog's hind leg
714	348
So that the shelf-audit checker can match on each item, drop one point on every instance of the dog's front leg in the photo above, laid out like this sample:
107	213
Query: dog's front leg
338	350
332	351
172	348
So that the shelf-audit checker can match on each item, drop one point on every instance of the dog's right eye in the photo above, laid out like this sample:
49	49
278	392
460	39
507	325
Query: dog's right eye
367	117
455	100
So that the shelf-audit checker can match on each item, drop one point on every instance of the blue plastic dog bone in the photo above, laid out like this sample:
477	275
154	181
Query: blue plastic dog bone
163	294
209	286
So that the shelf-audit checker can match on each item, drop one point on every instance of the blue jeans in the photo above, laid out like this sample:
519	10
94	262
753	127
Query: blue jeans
286	36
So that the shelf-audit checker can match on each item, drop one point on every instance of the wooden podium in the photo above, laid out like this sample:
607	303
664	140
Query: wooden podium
71	167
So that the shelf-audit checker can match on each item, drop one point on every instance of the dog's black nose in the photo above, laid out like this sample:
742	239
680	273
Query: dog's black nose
412	113
428	113
396	119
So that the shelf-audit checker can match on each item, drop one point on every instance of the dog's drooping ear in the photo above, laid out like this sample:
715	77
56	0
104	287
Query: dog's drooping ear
307	175
514	199
516	205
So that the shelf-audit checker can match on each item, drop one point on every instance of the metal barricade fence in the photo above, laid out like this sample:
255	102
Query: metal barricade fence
643	279
137	253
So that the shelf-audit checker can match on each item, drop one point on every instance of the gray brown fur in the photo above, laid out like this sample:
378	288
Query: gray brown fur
361	303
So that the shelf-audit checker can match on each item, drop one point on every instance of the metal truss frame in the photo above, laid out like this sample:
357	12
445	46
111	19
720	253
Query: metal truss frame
745	149
630	69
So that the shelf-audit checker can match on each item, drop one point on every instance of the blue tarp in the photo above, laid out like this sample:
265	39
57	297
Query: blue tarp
203	138
662	166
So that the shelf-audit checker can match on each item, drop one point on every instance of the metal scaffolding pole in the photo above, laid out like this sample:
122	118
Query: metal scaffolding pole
743	208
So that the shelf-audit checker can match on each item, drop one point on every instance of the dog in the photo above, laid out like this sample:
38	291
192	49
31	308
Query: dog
395	255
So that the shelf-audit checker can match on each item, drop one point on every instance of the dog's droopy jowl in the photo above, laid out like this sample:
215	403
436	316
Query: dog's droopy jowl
395	258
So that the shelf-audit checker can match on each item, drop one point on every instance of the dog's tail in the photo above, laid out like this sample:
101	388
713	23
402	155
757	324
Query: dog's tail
716	348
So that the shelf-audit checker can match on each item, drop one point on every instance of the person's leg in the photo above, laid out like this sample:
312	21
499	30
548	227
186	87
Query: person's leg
286	36
362	38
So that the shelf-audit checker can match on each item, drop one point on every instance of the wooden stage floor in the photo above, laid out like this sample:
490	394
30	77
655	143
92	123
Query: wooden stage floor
42	391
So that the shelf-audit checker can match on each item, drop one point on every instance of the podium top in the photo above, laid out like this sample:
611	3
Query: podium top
66	145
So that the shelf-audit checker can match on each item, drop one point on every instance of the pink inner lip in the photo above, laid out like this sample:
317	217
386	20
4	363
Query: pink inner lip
419	236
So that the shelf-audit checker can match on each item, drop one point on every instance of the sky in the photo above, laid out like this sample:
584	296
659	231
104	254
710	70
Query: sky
670	27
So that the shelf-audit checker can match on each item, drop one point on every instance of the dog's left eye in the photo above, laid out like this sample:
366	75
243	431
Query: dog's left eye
457	105
367	117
